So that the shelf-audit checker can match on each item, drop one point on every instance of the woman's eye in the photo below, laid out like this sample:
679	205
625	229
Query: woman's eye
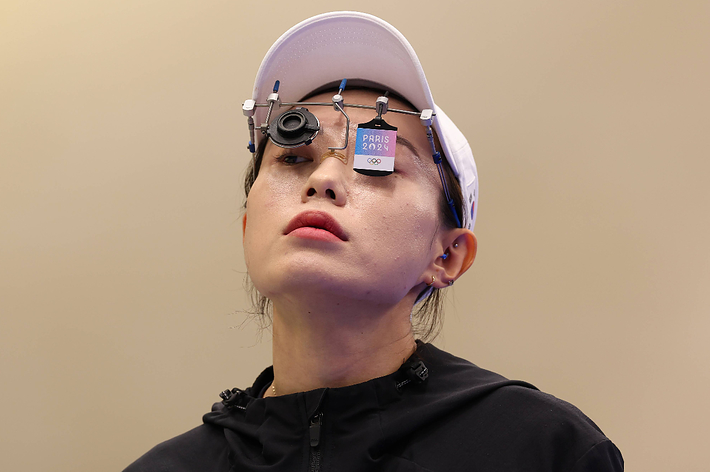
291	159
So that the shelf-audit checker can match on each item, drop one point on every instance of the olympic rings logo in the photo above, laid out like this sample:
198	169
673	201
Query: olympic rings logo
374	160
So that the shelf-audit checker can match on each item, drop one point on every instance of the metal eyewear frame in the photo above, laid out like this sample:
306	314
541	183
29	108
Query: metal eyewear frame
301	123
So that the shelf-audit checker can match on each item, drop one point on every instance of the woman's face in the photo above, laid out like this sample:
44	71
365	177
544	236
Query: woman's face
357	237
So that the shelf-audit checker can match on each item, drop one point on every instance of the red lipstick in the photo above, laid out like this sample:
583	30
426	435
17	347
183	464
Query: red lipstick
313	224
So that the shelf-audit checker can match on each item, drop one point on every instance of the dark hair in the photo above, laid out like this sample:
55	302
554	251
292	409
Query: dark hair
428	313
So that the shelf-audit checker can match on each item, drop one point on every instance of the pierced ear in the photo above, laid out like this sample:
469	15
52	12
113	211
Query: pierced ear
456	258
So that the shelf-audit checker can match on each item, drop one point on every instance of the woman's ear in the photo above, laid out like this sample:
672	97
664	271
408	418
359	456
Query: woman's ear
244	226
470	242
460	247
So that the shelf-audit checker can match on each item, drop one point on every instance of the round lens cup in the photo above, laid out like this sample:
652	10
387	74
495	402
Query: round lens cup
294	128
291	123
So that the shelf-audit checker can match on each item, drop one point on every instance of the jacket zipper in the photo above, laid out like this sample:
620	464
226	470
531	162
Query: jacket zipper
314	432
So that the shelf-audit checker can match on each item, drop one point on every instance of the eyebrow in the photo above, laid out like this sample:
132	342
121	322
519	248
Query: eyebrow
408	144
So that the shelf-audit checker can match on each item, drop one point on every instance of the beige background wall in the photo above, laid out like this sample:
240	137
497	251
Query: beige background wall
121	155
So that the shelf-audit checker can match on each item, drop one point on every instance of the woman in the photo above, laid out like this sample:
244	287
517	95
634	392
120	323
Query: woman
352	226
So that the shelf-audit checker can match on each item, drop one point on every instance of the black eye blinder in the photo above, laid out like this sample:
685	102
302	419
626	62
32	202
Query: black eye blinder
294	128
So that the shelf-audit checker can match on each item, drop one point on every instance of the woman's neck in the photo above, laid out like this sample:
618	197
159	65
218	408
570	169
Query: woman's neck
331	346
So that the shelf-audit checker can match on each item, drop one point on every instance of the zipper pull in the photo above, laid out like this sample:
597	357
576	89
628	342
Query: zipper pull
314	428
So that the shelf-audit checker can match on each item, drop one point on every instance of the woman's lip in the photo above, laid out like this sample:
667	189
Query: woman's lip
309	232
319	221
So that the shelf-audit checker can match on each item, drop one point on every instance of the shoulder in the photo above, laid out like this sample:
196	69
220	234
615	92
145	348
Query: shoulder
563	437
512	424
202	448
531	407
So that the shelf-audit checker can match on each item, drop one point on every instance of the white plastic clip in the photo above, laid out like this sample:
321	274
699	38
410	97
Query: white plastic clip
248	107
426	117
381	105
274	98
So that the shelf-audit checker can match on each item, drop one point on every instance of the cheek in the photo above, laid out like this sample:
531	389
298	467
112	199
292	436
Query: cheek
271	193
399	233
258	210
409	211
279	184
266	212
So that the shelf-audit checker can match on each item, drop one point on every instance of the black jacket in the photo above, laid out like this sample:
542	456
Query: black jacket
460	418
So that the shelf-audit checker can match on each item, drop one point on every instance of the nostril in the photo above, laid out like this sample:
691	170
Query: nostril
330	193
311	192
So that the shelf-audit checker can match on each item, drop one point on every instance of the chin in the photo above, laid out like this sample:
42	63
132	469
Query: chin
321	287
320	275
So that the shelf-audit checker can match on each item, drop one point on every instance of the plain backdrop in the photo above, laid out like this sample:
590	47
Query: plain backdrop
122	151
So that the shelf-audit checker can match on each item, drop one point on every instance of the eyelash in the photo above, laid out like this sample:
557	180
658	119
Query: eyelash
284	159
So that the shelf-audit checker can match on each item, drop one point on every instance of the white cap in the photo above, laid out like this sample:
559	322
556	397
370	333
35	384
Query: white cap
352	45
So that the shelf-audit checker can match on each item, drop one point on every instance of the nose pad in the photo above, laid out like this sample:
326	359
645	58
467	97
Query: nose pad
335	154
